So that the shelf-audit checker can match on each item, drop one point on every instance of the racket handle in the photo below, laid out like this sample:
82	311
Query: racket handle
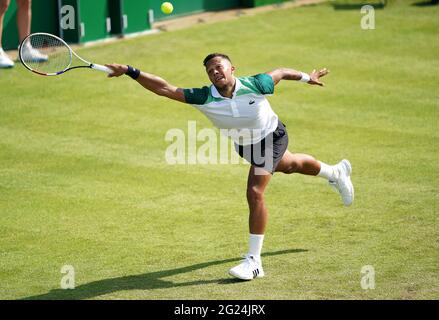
101	68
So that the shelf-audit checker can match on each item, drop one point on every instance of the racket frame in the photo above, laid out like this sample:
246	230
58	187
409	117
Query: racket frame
71	52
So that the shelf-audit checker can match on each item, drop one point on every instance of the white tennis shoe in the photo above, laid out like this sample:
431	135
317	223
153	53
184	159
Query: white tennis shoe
5	61
343	183
30	54
248	269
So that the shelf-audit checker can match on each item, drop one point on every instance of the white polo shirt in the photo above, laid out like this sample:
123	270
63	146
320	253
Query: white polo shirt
248	112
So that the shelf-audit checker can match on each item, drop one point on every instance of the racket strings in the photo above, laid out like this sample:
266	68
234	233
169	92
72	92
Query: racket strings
45	54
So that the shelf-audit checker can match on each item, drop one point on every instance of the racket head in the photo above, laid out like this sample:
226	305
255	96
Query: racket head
53	56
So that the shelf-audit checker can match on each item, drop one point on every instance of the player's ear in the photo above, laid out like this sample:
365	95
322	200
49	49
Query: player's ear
233	69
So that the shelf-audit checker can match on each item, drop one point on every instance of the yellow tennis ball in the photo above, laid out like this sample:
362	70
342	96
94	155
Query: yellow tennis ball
167	7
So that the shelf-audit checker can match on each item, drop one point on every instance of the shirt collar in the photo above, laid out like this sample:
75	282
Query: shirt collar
216	94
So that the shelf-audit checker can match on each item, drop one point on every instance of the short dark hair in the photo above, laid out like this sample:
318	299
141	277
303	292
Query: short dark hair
214	55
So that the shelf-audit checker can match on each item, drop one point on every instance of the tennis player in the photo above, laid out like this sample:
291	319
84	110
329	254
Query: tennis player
240	105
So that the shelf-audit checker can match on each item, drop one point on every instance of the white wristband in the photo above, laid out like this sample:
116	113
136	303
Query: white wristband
305	77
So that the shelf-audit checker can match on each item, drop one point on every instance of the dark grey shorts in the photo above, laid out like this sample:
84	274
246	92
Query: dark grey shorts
268	152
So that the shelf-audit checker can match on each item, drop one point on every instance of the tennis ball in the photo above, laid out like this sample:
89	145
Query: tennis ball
167	7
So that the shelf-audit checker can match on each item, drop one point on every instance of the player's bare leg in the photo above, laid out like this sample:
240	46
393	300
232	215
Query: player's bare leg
256	185
337	175
299	163
251	266
4	4
24	15
5	61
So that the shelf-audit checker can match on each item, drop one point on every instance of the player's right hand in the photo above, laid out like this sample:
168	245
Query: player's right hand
118	69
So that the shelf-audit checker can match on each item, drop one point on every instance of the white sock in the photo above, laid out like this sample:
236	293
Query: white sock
255	245
327	172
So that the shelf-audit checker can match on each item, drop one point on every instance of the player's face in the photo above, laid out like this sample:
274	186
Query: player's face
220	72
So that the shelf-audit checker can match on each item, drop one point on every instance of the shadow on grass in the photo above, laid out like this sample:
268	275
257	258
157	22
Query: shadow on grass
426	3
147	281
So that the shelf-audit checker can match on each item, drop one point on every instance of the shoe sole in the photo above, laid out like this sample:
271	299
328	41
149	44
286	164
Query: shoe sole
348	167
260	275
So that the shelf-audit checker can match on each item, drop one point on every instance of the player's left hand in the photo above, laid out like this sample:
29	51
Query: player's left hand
316	75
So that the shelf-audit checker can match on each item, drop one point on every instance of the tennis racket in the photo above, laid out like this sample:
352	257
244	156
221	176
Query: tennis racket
49	55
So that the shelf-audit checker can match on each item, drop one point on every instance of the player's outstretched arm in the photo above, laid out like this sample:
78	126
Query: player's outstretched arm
151	82
290	74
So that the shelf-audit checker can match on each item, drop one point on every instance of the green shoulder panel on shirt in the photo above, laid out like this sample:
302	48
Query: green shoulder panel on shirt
259	84
196	95
264	82
248	86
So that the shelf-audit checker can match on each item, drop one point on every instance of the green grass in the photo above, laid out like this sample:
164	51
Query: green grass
84	182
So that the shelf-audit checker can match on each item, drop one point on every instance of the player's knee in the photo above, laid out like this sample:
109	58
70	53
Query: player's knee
255	194
291	168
